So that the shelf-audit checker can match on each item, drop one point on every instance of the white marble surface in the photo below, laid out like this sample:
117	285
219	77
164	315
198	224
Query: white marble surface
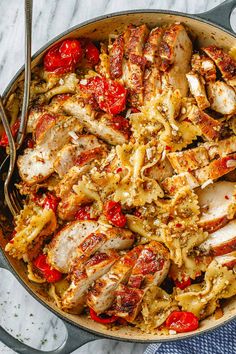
19	312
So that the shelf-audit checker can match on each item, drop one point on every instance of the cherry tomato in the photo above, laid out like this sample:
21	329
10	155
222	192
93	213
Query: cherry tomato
50	274
92	53
113	213
122	124
110	95
104	320
63	56
49	201
183	284
14	130
182	321
83	213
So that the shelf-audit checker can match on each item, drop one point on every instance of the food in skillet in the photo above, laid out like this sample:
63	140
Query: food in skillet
128	175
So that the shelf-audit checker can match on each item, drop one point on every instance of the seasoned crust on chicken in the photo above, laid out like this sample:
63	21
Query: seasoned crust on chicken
116	53
204	66
175	53
197	89
224	62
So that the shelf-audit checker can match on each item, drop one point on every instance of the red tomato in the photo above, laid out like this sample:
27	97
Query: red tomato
110	95
113	213
50	274
122	124
49	201
83	213
104	320
63	56
182	321
14	130
92	53
30	143
44	122
183	284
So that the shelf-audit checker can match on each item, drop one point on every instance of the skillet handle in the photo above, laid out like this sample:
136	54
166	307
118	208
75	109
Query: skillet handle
220	15
76	337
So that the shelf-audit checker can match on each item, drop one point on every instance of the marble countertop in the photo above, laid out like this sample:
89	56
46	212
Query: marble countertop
20	314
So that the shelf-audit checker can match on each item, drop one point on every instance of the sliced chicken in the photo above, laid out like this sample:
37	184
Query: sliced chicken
222	97
151	266
86	148
192	159
175	52
227	260
152	76
102	294
224	62
34	114
204	66
188	160
101	125
197	89
74	298
62	250
172	184
209	126
116	53
215	201
221	241
134	66
36	164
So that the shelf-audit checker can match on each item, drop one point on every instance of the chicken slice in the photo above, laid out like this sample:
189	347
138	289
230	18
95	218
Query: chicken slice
36	164
185	179
116	53
86	148
134	66
188	160
74	298
227	260
151	266
160	171
152	76
101	125
192	159
176	52
224	62
221	241
34	114
222	97
209	126
62	250
102	294
215	201
204	66
197	89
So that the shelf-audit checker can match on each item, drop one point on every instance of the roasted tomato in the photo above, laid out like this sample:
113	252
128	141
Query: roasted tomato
110	95
182	321
63	56
14	130
50	274
102	318
92	53
49	201
184	283
113	213
122	124
83	213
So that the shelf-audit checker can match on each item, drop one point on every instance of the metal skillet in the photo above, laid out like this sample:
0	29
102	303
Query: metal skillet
212	27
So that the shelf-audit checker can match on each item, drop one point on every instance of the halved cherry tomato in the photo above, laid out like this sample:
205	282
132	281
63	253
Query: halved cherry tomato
92	53
83	213
14	130
113	213
63	56
110	95
49	201
104	320
50	274
183	283
182	321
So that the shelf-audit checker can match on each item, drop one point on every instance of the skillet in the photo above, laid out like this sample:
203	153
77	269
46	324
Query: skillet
212	28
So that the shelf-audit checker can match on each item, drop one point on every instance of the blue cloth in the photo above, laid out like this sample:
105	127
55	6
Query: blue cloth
219	341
